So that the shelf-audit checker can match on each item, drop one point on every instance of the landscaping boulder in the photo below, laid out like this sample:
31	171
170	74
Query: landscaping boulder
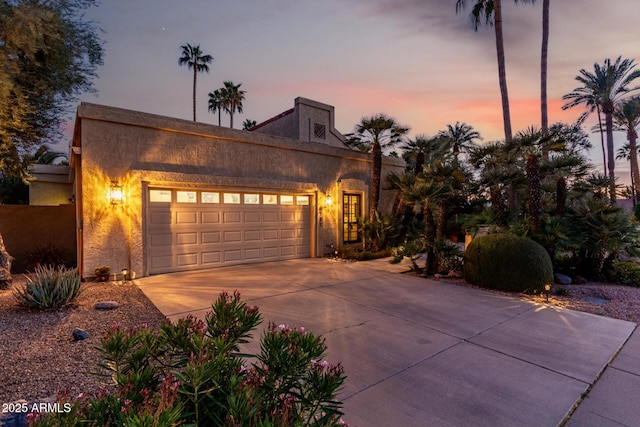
106	305
79	334
5	266
561	279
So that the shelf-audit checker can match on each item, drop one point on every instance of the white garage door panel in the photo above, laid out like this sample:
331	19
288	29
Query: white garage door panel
190	236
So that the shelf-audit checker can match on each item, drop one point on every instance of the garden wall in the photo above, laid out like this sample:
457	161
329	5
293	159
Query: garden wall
26	228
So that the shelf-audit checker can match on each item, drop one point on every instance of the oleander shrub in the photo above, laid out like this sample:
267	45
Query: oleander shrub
49	287
624	273
191	372
507	262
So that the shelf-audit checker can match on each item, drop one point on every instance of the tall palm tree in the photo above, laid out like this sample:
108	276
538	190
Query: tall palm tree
418	150
197	61
232	99
373	134
605	87
462	137
544	113
216	103
627	119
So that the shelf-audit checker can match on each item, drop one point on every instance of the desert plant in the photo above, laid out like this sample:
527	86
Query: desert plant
49	287
190	372
507	262
47	254
102	270
412	250
448	256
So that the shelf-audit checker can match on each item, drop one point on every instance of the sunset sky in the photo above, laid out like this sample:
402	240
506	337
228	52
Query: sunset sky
415	60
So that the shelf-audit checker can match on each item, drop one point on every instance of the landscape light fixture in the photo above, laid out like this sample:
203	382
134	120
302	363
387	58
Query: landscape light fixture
116	194
547	288
124	275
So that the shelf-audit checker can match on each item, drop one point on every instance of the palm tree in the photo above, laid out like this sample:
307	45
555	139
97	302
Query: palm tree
216	103
544	114
232	99
461	136
605	87
373	134
627	118
421	148
194	59
248	124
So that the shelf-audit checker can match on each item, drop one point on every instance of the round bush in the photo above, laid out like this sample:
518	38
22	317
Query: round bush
507	262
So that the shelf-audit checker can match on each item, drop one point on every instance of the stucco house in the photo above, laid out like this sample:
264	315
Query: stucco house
155	194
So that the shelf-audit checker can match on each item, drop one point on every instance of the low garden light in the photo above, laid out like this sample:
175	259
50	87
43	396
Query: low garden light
125	272
547	289
116	193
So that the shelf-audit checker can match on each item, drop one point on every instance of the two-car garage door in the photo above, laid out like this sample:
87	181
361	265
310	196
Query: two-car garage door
196	229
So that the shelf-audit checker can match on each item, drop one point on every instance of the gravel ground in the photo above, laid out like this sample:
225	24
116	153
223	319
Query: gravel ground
39	355
37	348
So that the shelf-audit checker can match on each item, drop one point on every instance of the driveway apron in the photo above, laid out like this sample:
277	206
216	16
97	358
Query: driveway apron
418	352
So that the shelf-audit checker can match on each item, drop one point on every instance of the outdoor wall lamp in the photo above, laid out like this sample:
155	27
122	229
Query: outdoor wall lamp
328	201
116	194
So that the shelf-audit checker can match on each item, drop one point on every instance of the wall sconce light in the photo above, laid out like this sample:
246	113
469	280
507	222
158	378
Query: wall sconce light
547	288
328	201
116	193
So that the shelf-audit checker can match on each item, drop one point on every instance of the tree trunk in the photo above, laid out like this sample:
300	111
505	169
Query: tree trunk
419	163
498	206
611	161
442	219
376	170
430	237
502	73
544	119
561	196
535	204
604	156
632	136
195	77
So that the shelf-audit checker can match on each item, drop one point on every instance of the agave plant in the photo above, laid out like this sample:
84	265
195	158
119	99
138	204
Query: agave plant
49	287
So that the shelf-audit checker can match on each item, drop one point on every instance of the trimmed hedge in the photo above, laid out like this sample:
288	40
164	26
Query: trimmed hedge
507	262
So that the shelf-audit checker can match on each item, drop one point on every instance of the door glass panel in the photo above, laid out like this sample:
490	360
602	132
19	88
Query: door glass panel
286	200
232	198
251	199
156	196
269	199
302	200
350	213
186	197
209	197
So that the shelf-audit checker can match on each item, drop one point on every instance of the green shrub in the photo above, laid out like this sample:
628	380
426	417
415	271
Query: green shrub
624	273
412	250
49	287
47	254
507	262
357	254
191	373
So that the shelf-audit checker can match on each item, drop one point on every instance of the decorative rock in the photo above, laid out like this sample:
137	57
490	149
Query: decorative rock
562	279
79	334
106	305
5	266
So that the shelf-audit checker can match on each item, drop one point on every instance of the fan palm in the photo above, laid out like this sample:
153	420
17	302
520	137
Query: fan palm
197	61
373	134
232	99
248	124
605	87
461	136
216	104
627	119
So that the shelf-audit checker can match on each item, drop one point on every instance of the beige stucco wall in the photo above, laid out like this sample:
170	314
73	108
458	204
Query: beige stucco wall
141	150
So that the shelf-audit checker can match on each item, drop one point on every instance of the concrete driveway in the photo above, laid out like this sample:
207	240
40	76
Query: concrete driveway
422	353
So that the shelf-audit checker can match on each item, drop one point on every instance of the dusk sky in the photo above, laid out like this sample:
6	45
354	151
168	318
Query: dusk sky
415	60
